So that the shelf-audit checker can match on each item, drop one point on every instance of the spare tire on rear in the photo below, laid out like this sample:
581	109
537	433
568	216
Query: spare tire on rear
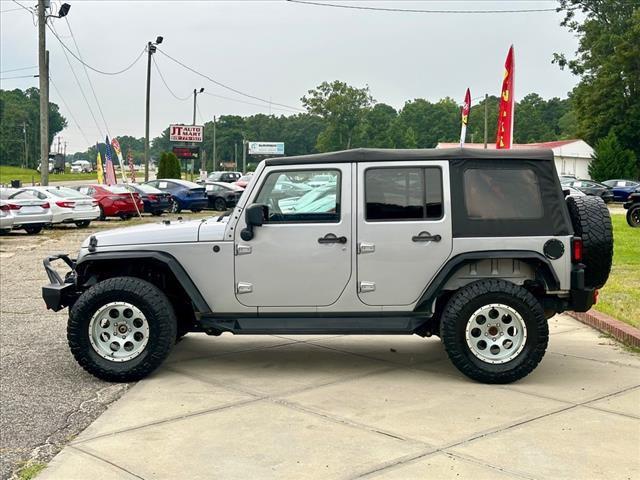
592	222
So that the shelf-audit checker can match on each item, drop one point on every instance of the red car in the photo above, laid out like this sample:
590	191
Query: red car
114	200
243	181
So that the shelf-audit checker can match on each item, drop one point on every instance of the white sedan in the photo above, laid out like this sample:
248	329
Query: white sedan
68	205
23	210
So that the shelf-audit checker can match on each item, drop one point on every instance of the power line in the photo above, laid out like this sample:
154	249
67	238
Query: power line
11	10
220	84
19	76
79	86
412	10
93	68
166	84
69	110
18	69
23	7
86	72
247	103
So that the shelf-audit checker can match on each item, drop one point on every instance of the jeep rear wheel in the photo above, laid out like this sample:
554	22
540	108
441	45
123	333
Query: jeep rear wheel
494	331
121	329
592	222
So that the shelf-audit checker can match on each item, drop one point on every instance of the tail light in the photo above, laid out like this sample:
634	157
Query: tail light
10	206
65	204
153	198
45	205
576	250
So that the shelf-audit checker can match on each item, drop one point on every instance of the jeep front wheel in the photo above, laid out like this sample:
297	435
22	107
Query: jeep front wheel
494	331
121	329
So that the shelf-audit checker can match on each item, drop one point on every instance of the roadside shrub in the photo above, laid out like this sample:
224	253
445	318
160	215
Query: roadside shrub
162	166
173	166
612	160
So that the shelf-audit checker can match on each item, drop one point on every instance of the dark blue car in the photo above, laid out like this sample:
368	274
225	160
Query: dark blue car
622	188
186	195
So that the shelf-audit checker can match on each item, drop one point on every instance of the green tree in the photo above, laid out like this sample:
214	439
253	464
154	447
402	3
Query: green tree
20	117
344	108
163	166
607	99
612	160
173	166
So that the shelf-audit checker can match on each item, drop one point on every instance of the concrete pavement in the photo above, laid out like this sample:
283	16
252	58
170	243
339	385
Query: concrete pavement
387	407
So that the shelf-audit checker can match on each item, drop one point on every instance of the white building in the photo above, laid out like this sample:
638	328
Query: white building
572	156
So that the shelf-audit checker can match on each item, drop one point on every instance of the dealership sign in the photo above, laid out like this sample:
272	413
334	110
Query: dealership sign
186	133
266	148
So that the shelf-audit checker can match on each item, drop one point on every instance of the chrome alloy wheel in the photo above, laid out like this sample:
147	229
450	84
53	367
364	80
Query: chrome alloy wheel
496	333
118	331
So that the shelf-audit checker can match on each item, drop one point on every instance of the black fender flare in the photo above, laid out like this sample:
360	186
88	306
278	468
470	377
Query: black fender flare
167	259
434	289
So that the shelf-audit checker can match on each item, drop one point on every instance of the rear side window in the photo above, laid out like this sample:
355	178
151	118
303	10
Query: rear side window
502	194
403	194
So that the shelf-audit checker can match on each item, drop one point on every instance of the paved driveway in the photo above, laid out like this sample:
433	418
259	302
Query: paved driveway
387	407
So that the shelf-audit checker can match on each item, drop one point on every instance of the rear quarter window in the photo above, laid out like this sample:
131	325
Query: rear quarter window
502	194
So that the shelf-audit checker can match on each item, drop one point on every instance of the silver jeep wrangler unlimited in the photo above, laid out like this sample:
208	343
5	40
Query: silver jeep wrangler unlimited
478	247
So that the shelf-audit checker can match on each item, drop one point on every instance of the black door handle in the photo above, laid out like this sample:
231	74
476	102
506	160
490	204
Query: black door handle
426	237
332	238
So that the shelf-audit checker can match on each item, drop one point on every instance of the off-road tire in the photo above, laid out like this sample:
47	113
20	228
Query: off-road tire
633	216
33	229
145	296
592	222
83	223
460	309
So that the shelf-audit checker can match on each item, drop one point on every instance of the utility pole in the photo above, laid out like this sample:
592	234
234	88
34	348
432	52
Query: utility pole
235	154
151	49
215	165
244	156
43	71
43	74
26	150
486	101
195	94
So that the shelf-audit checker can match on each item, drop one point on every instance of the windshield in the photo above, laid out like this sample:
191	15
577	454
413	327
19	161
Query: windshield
147	188
65	192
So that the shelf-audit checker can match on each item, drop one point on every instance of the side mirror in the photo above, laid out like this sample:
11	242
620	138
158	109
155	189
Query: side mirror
255	216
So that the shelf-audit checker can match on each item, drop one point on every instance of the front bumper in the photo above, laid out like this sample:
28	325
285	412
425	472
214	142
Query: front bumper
59	293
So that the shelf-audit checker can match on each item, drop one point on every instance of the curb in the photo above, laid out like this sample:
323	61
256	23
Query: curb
620	331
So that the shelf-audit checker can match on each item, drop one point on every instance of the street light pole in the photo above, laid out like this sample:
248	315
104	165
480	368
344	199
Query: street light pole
43	71
151	49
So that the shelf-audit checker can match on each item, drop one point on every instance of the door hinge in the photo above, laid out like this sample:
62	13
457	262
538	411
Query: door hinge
364	247
364	287
243	249
244	287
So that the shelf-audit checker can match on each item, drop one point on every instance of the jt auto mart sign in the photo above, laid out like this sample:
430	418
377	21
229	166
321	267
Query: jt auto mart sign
186	133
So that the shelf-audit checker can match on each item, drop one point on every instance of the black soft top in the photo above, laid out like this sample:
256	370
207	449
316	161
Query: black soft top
391	154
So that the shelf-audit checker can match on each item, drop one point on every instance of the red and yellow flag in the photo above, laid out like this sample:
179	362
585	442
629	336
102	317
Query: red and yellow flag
506	113
466	108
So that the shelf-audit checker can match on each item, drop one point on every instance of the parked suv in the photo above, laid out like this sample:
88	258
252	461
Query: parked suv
477	247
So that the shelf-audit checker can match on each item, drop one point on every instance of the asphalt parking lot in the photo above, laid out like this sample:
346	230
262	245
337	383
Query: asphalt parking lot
45	398
303	406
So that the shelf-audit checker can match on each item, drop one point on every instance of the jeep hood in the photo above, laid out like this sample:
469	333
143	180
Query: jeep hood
157	233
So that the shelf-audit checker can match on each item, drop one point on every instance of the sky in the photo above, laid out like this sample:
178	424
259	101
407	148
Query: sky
277	51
